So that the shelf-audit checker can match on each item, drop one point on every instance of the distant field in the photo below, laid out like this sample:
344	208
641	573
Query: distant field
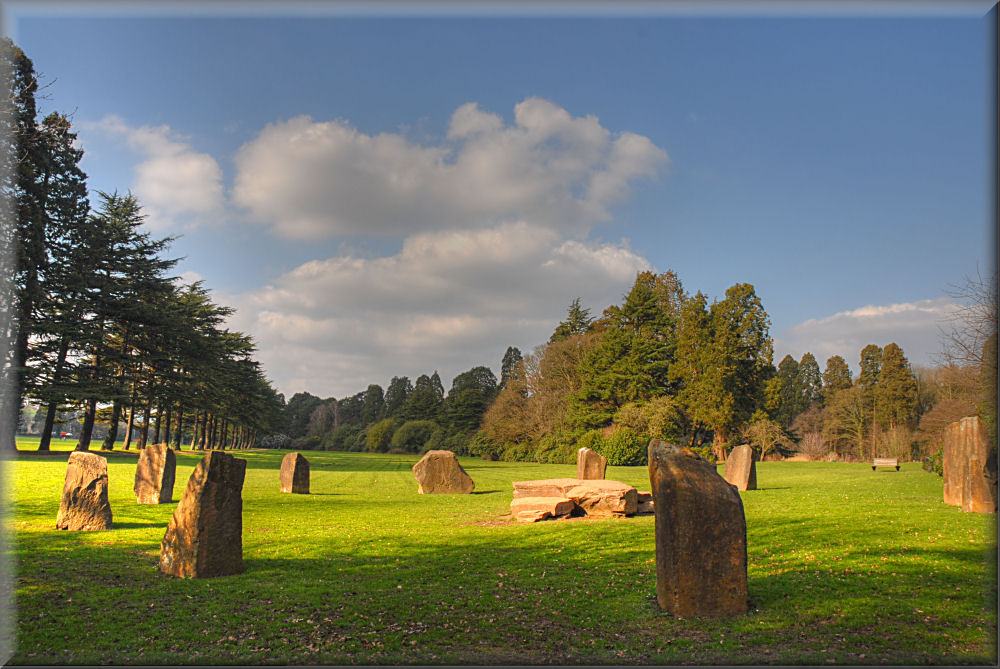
846	566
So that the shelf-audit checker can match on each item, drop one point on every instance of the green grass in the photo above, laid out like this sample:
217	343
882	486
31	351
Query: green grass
846	566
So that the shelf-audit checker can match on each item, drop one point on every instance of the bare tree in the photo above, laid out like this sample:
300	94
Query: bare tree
968	328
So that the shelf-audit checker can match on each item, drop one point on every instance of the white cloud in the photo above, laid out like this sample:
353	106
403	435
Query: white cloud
448	300
175	184
914	326
311	179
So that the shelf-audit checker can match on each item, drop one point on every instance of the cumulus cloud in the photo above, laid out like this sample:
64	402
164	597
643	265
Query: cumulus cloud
312	179
175	184
914	326
448	300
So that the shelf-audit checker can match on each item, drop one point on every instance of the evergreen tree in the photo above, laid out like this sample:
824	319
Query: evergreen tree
373	409
897	388
836	376
510	366
809	383
470	395
396	395
577	321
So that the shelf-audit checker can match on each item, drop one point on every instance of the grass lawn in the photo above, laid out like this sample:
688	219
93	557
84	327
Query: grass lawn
846	566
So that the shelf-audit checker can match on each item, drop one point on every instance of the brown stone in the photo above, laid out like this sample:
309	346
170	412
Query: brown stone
553	506
590	465
969	469
741	470
532	515
295	474
154	475
205	534
84	504
598	498
439	473
700	535
645	508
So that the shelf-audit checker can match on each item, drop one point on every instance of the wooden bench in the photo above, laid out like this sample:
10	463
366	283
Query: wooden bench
885	462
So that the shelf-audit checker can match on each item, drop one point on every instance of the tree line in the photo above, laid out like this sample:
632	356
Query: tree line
666	364
93	320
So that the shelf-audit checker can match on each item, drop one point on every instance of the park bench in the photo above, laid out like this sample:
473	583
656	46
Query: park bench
885	462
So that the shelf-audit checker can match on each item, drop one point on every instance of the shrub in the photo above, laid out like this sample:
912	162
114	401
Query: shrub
276	441
593	440
413	434
632	416
379	435
435	442
665	419
306	443
624	447
706	453
457	442
552	449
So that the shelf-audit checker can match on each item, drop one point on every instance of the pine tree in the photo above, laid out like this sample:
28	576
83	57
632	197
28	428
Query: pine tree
897	387
577	321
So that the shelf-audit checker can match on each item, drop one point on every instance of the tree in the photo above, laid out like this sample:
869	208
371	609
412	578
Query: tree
763	433
424	403
373	409
897	387
510	366
846	420
397	394
809	383
784	390
471	393
577	321
837	376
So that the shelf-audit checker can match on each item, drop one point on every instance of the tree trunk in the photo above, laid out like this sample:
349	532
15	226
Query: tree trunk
156	424
144	427
166	426
88	425
180	427
109	441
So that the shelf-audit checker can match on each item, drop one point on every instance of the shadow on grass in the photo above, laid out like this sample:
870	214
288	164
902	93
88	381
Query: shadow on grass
134	526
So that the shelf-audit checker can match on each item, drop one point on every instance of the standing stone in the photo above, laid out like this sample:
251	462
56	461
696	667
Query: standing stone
84	504
590	464
295	474
438	472
205	534
700	535
741	470
154	475
969	467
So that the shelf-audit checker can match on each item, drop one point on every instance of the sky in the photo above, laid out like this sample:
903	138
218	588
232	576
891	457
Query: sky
393	191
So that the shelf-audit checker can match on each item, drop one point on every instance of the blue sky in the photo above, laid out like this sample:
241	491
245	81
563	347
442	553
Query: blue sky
383	195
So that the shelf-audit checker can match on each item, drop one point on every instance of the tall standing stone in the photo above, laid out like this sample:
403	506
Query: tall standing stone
295	474
969	467
741	470
205	534
701	536
84	504
590	464
439	472
154	475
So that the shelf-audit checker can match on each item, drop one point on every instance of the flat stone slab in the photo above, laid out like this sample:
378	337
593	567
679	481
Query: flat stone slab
553	506
596	498
84	504
154	475
439	473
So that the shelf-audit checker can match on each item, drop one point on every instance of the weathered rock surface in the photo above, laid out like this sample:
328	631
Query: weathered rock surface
154	475
84	505
532	515
590	465
969	467
438	472
549	507
295	474
600	498
701	539
205	534
741	470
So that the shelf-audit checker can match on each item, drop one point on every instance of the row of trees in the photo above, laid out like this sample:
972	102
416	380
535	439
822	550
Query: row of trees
405	417
93	319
